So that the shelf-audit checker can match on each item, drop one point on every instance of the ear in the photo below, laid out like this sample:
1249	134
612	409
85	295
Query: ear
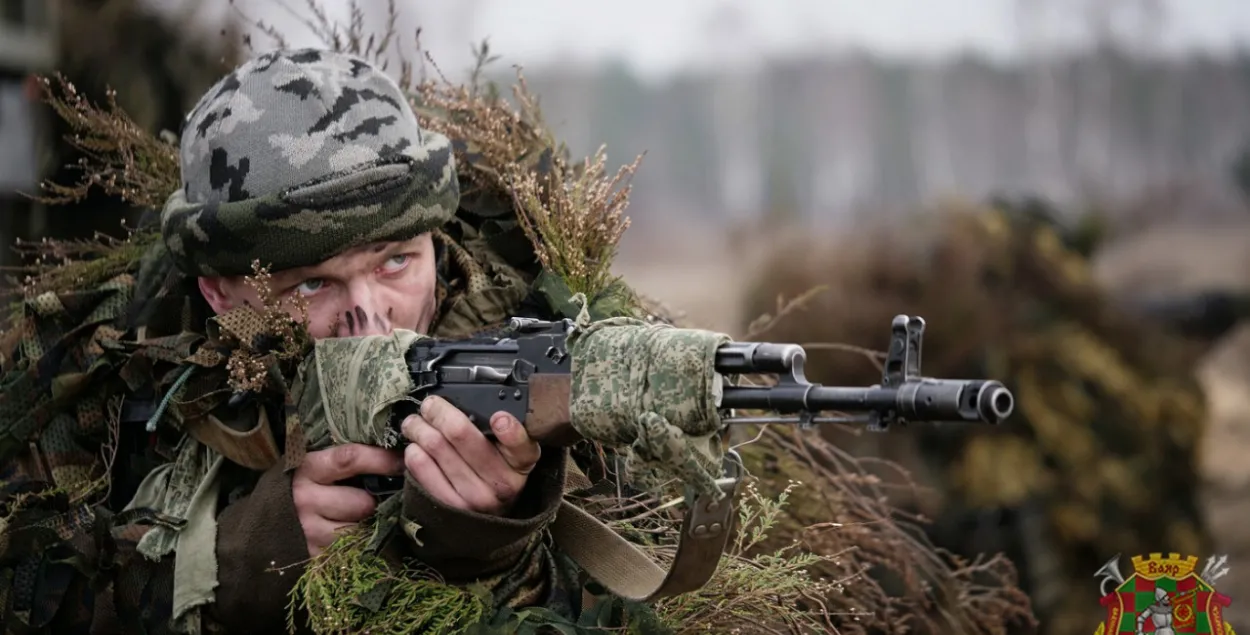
216	294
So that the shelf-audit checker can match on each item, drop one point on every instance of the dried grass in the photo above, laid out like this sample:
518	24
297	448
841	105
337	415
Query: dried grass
572	212
892	578
577	219
119	156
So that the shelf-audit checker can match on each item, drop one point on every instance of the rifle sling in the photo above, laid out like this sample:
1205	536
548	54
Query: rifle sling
619	565
628	572
255	449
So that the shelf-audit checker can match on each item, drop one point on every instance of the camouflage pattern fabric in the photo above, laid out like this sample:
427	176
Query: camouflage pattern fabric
63	364
186	489
652	390
349	386
487	290
297	156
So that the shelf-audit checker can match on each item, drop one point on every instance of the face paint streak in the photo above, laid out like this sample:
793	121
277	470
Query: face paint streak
383	323
351	323
361	318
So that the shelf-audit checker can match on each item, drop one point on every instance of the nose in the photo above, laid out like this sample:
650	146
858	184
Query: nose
361	316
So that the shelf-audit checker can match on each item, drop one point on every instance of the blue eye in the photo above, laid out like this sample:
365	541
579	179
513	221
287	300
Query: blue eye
310	286
397	261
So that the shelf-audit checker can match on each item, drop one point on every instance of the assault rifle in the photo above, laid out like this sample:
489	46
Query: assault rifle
526	371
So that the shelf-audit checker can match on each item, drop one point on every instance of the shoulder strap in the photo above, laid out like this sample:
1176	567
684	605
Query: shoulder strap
625	569
254	448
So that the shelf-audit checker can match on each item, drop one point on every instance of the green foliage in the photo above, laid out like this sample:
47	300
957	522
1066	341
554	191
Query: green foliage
349	589
754	584
603	616
66	265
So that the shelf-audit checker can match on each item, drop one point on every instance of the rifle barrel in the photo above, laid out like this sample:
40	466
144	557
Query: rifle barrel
986	401
903	393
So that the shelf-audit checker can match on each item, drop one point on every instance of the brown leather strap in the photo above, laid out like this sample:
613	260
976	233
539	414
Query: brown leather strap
255	449
624	569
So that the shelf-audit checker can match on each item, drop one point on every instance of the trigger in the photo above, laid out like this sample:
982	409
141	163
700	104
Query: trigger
378	486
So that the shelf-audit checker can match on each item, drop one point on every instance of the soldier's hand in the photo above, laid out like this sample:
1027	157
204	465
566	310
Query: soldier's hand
459	466
325	508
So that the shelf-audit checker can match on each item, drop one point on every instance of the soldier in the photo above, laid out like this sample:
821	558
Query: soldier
205	518
313	162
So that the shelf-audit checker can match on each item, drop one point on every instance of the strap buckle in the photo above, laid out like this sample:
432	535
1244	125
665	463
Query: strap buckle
709	518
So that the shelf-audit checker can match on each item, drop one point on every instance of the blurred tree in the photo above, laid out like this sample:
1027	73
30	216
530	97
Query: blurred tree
1241	173
896	171
159	70
783	207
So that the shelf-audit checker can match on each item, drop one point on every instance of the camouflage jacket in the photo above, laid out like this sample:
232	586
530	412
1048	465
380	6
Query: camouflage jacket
68	539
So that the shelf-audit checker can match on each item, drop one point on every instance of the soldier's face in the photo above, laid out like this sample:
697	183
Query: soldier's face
366	291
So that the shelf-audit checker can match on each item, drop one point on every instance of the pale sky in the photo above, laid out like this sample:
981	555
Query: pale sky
656	37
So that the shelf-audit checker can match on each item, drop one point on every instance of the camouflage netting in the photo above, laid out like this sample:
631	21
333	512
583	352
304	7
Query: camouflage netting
1099	457
819	548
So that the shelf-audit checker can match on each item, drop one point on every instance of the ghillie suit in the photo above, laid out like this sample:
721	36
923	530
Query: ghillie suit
532	229
1100	455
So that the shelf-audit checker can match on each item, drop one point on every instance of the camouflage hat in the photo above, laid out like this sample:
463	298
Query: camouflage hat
297	156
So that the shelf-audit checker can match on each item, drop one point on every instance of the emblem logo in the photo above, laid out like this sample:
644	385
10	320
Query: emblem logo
1164	596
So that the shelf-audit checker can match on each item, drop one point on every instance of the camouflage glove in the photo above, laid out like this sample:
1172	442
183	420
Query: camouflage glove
348	387
654	390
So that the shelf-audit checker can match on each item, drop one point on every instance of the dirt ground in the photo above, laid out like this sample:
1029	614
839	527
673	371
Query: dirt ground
702	274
